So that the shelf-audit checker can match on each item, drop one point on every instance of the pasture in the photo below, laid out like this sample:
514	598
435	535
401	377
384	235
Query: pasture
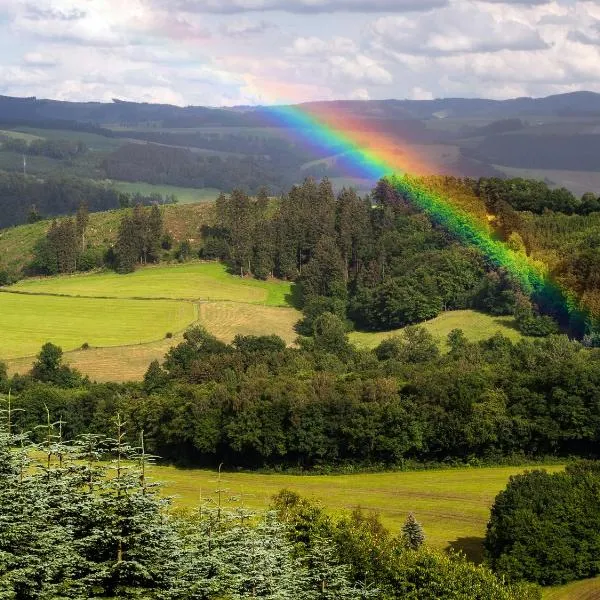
453	504
477	326
223	319
190	281
28	322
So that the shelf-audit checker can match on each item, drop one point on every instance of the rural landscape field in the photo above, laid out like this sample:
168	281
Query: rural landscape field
300	300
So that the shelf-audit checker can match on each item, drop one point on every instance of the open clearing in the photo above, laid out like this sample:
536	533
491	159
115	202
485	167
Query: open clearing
476	326
28	322
190	281
184	195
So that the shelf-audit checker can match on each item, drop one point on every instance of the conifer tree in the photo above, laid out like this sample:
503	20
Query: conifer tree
412	533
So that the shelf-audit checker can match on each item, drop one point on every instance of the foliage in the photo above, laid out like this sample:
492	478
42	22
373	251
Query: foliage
544	527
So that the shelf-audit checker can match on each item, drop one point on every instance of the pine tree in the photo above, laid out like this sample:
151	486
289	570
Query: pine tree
82	220
412	533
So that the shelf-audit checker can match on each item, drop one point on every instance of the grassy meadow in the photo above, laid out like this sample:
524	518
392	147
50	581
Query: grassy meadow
130	362
28	322
183	222
190	281
125	317
453	504
476	326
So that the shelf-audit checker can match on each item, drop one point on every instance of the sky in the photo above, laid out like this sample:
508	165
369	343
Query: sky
238	52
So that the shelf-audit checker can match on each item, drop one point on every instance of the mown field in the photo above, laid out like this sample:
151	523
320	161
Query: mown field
130	362
190	281
453	505
28	322
588	589
125	317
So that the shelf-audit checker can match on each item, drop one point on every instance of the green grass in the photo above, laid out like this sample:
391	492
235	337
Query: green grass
476	326
588	589
184	195
453	505
225	320
18	135
27	322
191	281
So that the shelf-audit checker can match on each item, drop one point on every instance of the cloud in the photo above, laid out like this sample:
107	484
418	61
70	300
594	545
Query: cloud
246	28
455	30
302	6
37	59
314	46
360	69
40	13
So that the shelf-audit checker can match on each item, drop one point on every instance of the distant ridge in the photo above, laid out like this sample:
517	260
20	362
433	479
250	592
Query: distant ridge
582	104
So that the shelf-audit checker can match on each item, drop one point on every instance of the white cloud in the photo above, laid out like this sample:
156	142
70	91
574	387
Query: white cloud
247	51
455	30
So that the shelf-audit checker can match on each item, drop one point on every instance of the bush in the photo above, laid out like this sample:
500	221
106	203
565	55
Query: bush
169	335
91	258
546	527
538	326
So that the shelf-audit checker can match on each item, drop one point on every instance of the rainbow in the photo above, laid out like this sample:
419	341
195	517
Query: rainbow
375	155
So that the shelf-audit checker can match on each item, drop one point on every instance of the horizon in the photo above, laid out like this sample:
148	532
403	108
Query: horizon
335	100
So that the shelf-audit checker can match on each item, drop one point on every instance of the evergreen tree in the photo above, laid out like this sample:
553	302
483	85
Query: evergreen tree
412	533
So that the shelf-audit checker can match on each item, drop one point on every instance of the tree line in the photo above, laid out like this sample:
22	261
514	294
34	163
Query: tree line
325	403
59	149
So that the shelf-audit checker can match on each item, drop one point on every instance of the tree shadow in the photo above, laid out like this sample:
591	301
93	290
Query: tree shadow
295	297
508	324
471	547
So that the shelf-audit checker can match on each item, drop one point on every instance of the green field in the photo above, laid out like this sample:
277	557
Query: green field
477	326
225	320
588	589
27	322
191	281
18	135
453	505
184	195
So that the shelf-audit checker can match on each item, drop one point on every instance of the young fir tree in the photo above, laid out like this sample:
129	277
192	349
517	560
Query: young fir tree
412	533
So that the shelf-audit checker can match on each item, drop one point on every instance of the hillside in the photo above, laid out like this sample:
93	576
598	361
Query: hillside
183	222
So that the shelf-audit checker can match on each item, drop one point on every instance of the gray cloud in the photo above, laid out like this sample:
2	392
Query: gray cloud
245	28
302	6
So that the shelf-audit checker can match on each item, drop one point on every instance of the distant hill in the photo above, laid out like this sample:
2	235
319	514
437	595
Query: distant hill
583	104
555	139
